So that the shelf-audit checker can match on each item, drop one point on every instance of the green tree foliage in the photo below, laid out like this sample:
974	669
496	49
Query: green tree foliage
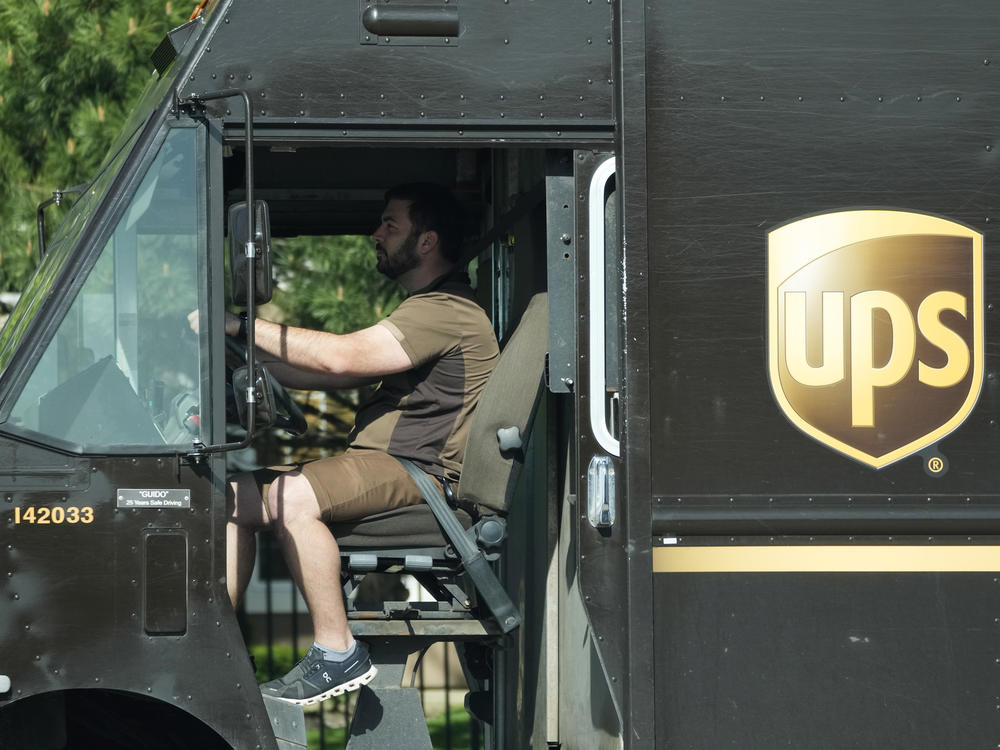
18	251
330	283
69	71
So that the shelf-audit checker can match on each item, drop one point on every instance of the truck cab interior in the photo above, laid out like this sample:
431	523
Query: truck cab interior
458	555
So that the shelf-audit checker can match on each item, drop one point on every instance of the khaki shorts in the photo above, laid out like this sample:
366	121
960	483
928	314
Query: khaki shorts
357	484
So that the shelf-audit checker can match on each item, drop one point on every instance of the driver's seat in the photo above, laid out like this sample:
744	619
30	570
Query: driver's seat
438	541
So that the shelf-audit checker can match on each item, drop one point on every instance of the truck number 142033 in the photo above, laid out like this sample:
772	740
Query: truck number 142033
44	514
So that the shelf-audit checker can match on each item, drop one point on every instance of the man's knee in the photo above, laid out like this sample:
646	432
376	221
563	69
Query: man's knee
290	499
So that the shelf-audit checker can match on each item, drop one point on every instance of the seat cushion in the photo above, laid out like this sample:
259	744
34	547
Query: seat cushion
411	526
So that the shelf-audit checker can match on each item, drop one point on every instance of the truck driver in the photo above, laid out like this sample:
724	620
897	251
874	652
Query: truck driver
433	355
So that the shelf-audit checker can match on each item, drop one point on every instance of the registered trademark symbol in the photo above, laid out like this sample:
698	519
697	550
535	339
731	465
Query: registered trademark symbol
935	465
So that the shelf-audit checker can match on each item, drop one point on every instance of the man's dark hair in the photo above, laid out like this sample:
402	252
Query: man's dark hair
434	208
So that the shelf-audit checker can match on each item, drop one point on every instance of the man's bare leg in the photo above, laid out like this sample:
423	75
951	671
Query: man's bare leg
312	556
245	517
335	663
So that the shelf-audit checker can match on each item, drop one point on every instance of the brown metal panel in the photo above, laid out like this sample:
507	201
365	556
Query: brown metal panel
825	658
514	66
764	113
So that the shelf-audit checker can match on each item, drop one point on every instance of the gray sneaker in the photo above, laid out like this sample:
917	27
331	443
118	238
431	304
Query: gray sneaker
315	679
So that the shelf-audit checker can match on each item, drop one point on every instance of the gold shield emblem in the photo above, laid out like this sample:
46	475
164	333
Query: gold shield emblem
875	329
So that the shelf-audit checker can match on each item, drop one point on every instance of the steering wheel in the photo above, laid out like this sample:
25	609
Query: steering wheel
289	416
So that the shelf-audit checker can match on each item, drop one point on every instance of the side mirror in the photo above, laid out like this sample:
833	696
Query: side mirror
265	412
239	264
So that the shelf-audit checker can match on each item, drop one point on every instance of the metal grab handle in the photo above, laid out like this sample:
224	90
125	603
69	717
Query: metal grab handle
596	270
412	20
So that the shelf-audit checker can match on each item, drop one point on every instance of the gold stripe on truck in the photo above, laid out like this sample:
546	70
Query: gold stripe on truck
827	559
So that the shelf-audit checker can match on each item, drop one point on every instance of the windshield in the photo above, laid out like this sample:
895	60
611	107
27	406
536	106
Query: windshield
124	369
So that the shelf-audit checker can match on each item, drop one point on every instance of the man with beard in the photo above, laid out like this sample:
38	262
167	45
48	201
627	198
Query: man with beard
433	355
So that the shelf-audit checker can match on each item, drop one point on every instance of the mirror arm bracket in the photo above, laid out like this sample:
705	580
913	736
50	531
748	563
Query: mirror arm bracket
57	199
251	252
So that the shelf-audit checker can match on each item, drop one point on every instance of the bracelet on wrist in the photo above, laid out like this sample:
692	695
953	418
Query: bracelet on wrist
242	334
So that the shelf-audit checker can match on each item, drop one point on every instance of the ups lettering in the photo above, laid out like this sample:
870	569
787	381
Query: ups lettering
875	329
865	373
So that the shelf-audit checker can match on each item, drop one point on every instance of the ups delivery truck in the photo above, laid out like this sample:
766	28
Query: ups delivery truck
759	502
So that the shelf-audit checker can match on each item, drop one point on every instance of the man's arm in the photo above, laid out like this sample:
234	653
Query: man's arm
293	377
368	354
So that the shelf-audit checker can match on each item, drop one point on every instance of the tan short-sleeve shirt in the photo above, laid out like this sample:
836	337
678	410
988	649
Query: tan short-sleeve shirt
423	414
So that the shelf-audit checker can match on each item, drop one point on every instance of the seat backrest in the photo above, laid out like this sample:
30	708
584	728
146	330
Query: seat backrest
502	421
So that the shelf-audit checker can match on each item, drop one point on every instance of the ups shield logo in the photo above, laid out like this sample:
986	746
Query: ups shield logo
875	329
